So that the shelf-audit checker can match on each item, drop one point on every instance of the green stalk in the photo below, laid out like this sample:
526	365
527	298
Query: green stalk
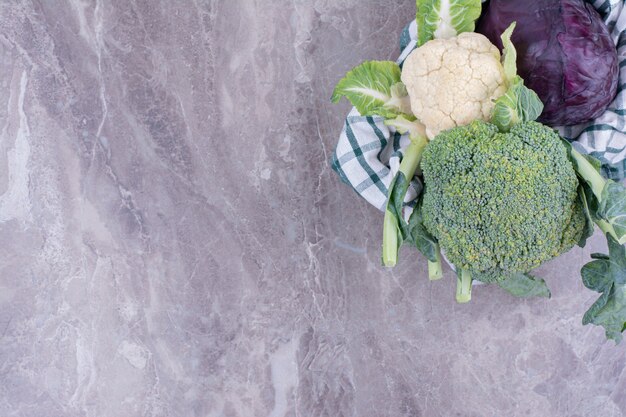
435	271
463	286
606	228
390	238
391	228
413	156
589	173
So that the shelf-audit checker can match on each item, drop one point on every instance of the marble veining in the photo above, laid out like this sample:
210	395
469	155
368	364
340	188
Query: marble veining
174	242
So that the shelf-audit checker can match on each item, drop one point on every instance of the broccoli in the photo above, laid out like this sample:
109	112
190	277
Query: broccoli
500	203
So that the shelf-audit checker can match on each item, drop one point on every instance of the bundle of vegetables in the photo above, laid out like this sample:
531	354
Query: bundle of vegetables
502	193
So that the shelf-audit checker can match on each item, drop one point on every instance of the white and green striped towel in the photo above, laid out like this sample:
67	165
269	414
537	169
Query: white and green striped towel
368	153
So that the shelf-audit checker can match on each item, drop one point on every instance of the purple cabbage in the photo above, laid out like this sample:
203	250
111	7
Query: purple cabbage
564	52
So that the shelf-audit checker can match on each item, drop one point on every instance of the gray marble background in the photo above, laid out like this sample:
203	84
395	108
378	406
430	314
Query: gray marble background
174	243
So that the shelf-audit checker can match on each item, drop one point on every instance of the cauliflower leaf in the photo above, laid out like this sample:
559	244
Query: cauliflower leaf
519	103
404	125
509	54
375	89
445	18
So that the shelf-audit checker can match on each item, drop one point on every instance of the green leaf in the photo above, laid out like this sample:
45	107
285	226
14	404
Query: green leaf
591	200
612	207
609	311
596	308
408	166
588	170
525	285
589	223
529	105
617	260
445	18
417	235
396	200
607	274
509	54
394	222
504	112
518	104
375	89
596	275
606	199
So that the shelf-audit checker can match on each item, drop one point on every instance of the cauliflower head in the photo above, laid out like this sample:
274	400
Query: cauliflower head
452	82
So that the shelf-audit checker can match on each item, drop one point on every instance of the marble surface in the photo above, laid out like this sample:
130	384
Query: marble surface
174	242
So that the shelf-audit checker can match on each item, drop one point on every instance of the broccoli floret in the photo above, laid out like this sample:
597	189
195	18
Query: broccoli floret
500	203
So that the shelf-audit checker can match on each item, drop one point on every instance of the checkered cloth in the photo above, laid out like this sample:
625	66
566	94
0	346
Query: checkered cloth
368	153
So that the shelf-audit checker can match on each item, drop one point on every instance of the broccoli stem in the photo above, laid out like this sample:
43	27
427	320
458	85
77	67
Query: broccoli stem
589	173
410	161
413	156
435	271
463	286
390	238
606	228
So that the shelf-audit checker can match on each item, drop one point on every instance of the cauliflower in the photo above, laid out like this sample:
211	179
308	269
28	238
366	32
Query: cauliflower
452	82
